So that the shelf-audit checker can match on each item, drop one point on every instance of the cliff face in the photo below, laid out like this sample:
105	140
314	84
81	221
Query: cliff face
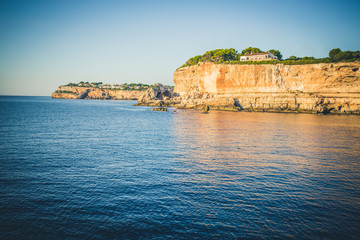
69	92
328	88
238	79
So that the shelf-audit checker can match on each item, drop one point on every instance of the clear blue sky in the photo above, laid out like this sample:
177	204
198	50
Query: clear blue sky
46	43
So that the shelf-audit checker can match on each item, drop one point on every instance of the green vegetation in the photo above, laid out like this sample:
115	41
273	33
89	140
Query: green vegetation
101	85
231	56
337	55
68	92
226	56
276	53
216	56
251	50
293	58
333	52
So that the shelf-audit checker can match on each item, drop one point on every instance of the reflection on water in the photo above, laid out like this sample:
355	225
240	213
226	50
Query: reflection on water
278	173
76	169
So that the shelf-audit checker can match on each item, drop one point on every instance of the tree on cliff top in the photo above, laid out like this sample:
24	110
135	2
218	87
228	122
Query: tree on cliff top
219	55
337	55
231	56
222	55
276	53
333	52
216	56
251	50
293	58
193	61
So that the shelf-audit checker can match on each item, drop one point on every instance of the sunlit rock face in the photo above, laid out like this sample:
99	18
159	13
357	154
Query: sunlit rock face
157	92
323	88
69	92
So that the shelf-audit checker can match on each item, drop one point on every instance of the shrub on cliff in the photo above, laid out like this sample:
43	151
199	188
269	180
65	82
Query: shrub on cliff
343	56
293	58
305	60
276	53
333	52
251	50
192	61
337	55
308	58
224	55
215	56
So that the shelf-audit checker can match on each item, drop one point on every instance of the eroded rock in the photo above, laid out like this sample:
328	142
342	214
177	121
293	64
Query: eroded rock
311	88
70	92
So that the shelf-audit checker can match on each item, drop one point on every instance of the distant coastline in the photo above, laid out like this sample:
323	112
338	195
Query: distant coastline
99	90
72	92
328	88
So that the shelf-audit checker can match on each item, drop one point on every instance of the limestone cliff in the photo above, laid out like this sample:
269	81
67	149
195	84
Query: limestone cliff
325	87
69	92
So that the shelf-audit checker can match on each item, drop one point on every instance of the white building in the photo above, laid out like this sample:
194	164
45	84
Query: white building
258	57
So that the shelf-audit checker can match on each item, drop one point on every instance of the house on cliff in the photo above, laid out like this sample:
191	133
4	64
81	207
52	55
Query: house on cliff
258	57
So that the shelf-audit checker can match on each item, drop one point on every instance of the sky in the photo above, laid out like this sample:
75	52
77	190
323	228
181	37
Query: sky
44	44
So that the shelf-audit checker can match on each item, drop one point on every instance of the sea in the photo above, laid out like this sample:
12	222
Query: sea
101	169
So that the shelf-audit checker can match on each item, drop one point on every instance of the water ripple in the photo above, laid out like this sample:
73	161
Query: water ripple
74	169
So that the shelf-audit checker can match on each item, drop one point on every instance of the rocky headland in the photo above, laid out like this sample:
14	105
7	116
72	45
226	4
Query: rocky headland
307	88
75	92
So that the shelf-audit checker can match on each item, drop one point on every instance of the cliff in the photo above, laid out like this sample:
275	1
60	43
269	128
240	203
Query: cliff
238	79
69	92
311	88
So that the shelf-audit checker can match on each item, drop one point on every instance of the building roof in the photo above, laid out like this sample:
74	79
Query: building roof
255	54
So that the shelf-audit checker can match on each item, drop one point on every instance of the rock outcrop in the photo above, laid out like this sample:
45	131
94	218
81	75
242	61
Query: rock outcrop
311	88
69	92
160	109
158	95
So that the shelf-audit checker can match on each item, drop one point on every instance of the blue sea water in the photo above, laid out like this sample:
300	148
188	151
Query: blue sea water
86	169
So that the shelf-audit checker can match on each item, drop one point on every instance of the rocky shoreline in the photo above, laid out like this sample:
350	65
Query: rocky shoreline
314	88
316	104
